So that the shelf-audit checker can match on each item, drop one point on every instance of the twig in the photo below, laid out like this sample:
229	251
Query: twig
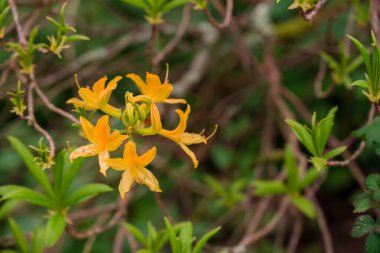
326	235
121	210
227	17
296	234
374	11
251	238
150	45
52	107
16	19
318	82
177	38
310	15
118	240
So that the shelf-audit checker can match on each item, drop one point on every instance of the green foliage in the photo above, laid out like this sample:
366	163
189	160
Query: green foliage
4	10
155	9
44	158
371	134
179	236
342	68
17	99
365	224
293	185
304	5
58	42
36	245
372	64
316	137
57	197
228	193
25	53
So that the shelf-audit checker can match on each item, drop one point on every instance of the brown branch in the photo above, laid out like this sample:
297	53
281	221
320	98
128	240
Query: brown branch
151	41
269	227
16	19
310	15
374	12
325	231
95	230
227	17
318	82
296	234
177	38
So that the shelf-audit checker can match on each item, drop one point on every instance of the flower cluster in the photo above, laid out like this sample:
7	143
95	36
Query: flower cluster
140	116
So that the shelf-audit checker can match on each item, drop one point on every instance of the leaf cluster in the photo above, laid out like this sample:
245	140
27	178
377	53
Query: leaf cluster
155	9
4	10
315	138
57	197
292	187
372	64
179	236
17	99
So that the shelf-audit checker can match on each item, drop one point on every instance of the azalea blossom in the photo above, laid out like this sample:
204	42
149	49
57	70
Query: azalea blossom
134	169
182	138
156	92
98	97
101	141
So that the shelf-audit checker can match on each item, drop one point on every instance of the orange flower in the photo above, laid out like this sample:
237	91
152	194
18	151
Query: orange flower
182	138
156	92
154	89
98	97
101	141
134	168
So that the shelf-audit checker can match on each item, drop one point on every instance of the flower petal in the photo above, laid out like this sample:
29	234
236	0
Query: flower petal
125	184
175	101
190	154
89	98
76	102
84	151
130	151
88	129
147	157
118	163
153	81
146	177
115	140
99	85
103	157
141	85
102	130
155	118
192	138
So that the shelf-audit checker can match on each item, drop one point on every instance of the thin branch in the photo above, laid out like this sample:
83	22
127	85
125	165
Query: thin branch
120	213
318	82
16	19
177	38
310	15
251	238
227	17
374	11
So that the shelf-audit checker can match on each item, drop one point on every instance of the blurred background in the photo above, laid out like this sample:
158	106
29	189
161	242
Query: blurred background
224	76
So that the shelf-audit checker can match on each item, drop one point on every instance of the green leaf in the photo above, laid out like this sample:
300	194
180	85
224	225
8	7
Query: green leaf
322	131
319	162
54	229
215	185
311	176
18	235
33	168
304	205
76	37
330	61
173	4
361	83
70	174
186	237
363	51
38	240
363	202
372	182
202	242
175	246
372	243
291	168
136	233
335	152
6	208
16	192
302	135
265	188
137	3
86	192
363	225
